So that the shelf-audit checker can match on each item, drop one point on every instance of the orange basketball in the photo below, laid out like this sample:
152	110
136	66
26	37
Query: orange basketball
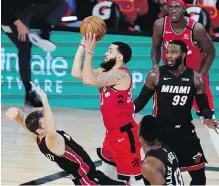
95	25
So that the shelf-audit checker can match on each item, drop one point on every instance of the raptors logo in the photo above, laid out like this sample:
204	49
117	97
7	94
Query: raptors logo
135	163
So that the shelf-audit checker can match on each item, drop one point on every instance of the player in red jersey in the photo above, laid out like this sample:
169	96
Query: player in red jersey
121	146
201	50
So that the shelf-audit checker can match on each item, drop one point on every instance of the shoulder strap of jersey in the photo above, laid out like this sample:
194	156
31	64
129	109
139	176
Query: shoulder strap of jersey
125	69
191	73
191	26
41	141
159	154
166	25
42	144
163	70
191	23
66	136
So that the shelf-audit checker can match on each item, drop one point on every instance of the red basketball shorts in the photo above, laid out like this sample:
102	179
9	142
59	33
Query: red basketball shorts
121	148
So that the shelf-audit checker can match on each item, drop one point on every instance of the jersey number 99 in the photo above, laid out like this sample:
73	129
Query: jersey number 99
179	100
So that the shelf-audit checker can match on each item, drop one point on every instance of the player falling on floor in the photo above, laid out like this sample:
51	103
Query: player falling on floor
201	50
58	146
121	146
160	165
175	87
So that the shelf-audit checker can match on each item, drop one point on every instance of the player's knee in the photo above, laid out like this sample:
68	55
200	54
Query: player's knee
198	177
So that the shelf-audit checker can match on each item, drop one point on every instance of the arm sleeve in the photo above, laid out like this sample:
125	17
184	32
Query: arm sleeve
143	98
203	105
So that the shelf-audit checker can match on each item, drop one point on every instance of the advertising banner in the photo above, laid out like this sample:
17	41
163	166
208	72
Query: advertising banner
52	71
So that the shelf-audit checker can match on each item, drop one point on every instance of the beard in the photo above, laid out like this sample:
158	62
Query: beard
108	65
178	62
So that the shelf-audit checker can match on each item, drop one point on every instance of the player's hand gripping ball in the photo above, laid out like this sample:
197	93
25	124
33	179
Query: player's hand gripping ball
95	25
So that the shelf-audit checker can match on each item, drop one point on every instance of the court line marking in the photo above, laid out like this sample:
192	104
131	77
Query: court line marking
63	174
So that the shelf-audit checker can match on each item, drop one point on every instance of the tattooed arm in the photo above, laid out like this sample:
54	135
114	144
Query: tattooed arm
110	78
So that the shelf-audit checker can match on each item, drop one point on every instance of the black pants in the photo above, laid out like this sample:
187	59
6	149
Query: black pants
186	145
52	14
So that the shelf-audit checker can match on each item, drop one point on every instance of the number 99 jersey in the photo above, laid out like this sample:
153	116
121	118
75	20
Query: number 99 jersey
174	96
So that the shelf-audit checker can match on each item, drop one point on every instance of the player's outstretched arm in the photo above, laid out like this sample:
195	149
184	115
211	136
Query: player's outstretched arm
203	104
153	170
76	70
51	137
16	114
157	41
147	90
204	41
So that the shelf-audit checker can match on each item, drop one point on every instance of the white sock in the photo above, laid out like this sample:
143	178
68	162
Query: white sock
133	181
109	170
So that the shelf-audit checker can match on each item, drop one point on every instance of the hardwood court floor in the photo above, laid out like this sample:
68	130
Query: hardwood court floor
22	161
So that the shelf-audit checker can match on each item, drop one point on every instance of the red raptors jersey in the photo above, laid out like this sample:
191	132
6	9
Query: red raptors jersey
194	55
116	106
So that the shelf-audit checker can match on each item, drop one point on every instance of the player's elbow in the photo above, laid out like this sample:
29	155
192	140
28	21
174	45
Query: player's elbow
87	82
76	73
155	48
211	52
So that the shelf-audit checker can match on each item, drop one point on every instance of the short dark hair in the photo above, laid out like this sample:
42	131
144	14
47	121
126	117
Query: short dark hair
148	128
180	43
125	50
32	121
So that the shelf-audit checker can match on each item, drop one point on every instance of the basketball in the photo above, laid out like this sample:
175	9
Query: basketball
95	25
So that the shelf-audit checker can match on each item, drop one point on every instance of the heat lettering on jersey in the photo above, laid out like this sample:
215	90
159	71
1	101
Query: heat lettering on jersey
171	157
176	89
169	180
170	174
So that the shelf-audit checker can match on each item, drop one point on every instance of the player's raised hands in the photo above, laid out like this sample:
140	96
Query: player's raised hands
90	42
12	113
39	91
211	123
